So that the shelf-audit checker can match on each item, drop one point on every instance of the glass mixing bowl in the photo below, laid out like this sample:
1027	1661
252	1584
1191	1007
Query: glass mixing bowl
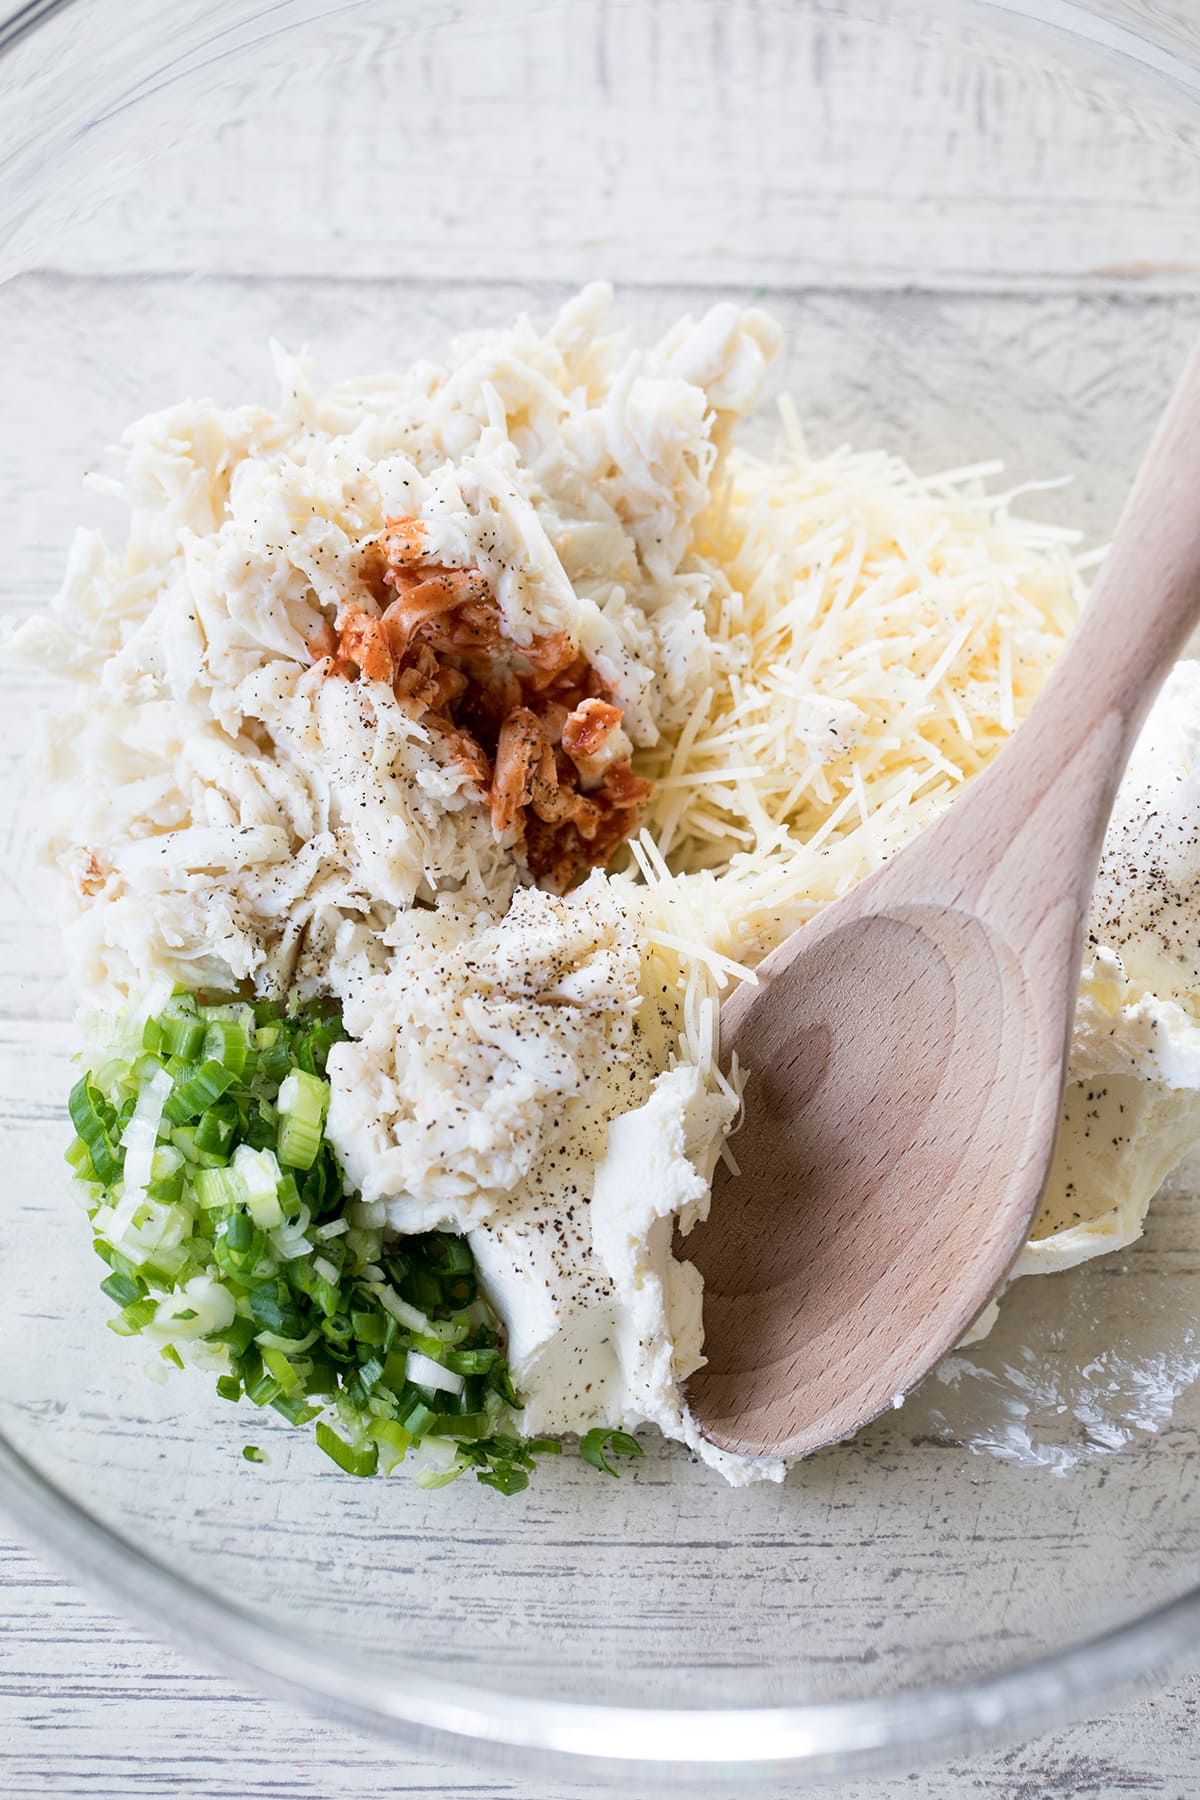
980	226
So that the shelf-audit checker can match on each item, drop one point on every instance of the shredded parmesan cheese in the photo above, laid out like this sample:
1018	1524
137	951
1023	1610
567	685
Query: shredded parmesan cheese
885	635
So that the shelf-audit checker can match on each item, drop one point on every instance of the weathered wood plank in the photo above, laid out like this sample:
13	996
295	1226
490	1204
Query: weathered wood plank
883	153
1040	374
90	1709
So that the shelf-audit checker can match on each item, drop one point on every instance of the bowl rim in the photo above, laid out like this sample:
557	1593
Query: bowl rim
826	1739
669	1745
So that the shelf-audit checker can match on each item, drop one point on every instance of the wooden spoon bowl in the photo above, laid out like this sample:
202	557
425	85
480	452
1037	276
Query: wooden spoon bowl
851	1131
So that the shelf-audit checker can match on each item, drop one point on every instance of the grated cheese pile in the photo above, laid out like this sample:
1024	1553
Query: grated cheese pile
887	633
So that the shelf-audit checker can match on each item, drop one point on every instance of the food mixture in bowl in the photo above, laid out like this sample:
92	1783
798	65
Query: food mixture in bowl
444	745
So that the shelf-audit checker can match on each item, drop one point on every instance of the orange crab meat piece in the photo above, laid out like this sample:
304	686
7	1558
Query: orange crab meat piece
363	643
426	598
589	727
402	542
518	753
529	724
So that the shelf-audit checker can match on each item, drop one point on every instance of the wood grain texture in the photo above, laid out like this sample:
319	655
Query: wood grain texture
1009	165
90	1709
906	1052
1081	306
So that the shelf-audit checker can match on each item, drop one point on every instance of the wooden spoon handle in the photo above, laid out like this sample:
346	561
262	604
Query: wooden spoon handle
1027	834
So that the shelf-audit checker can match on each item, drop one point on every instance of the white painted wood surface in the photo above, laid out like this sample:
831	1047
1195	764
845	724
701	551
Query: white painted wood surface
863	174
88	1706
90	1709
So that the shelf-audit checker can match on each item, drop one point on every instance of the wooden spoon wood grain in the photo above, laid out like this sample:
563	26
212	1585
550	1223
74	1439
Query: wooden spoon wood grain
906	1051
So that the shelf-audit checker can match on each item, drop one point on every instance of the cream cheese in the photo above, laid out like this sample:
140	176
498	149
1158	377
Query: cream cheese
505	1079
1131	1112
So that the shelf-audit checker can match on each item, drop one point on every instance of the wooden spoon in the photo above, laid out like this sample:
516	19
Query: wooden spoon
906	1051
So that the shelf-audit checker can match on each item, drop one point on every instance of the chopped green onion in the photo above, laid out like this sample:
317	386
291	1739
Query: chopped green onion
471	1362
452	1253
283	1371
369	1327
253	1454
180	1034
295	1409
197	1087
323	1376
167	1162
132	1319
239	1335
183	1139
352	1461
236	1232
439	1478
593	1444
123	1289
462	1425
269	1340
390	1431
259	1174
303	1102
424	1372
506	1478
401	1311
80	1161
272	1307
94	1120
263	1389
217	1128
394	1442
215	1188
424	1288
419	1420
240	1235
226	1043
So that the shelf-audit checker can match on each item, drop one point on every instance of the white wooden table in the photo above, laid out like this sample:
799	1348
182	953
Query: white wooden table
89	1707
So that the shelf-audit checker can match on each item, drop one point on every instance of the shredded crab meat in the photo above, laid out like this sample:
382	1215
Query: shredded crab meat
593	738
90	874
451	607
363	646
528	724
528	774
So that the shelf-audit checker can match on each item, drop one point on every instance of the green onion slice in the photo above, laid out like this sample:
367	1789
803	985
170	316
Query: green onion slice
593	1444
347	1458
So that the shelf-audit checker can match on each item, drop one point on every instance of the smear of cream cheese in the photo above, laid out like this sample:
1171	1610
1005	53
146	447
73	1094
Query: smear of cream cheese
513	1078
1131	1110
